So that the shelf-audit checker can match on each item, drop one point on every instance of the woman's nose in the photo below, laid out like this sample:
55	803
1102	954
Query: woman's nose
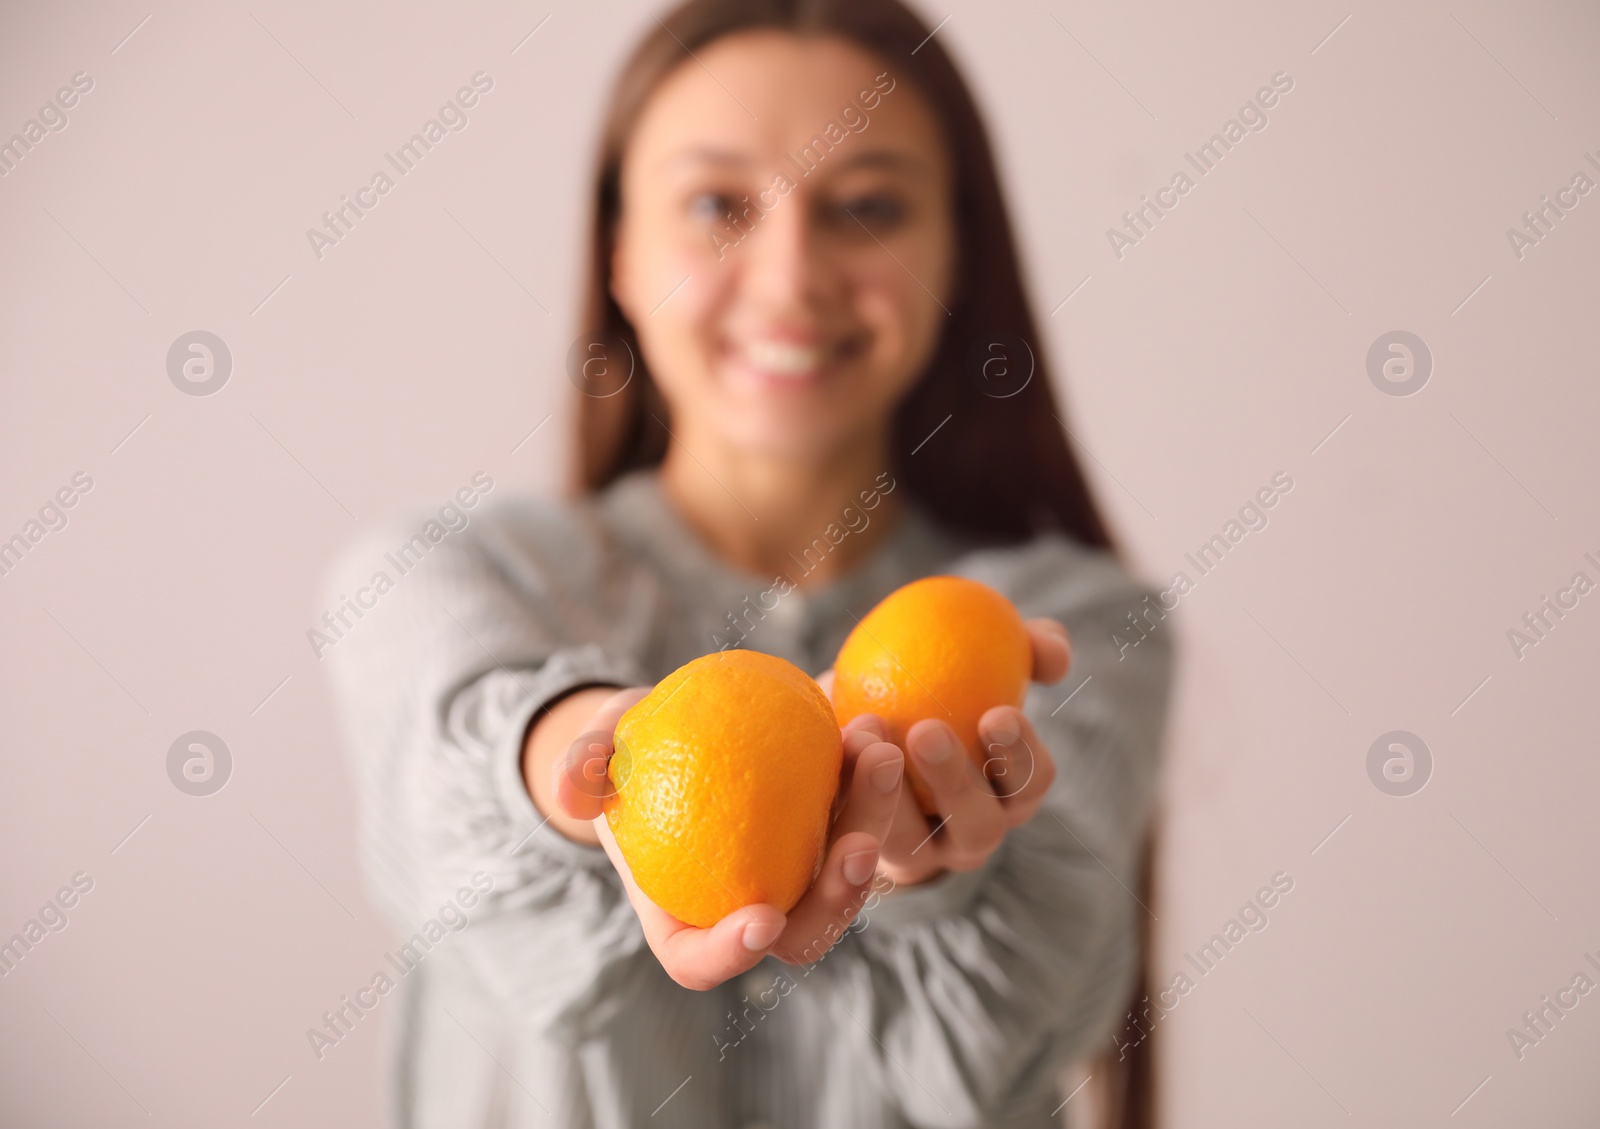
785	261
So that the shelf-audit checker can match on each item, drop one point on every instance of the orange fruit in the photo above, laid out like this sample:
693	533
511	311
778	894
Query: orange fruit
943	647
724	779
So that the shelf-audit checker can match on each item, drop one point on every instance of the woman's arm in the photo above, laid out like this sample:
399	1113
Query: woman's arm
438	684
968	993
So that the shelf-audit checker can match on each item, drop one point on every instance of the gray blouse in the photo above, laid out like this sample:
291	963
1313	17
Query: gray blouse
525	993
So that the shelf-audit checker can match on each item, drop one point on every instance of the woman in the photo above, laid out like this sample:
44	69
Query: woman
812	377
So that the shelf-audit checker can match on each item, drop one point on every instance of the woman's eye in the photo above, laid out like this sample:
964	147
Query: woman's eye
711	207
875	213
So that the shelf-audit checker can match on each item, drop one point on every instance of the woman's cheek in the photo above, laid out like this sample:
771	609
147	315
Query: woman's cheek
887	311
676	272
705	292
681	333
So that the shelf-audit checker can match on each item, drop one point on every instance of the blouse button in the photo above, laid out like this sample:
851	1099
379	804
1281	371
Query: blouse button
789	611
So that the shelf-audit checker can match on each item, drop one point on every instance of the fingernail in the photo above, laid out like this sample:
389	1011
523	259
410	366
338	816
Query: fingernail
859	866
1006	731
886	777
937	747
759	935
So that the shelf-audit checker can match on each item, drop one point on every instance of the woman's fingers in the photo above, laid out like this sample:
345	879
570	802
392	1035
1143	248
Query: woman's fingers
875	818
862	732
909	852
1019	766
612	709
581	783
703	958
869	723
1052	650
873	790
829	906
698	958
972	822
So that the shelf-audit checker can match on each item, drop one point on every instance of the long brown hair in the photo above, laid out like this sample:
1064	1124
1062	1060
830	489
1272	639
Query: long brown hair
999	465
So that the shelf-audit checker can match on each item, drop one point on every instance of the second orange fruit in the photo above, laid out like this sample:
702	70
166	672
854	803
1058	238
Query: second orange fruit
943	647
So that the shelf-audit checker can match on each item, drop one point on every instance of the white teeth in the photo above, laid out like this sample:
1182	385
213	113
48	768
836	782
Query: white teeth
784	358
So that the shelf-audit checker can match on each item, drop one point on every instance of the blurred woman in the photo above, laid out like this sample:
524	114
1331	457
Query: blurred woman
810	375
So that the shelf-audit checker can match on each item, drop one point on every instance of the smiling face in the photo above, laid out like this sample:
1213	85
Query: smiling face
786	246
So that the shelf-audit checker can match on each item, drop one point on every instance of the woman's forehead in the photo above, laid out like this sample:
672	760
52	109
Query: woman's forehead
750	95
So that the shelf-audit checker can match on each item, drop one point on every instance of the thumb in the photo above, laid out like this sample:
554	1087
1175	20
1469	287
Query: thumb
581	779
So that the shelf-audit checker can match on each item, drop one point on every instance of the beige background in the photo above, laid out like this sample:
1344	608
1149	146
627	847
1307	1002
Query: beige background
424	347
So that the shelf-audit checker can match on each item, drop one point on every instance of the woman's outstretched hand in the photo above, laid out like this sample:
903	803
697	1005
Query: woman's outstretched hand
869	797
975	807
